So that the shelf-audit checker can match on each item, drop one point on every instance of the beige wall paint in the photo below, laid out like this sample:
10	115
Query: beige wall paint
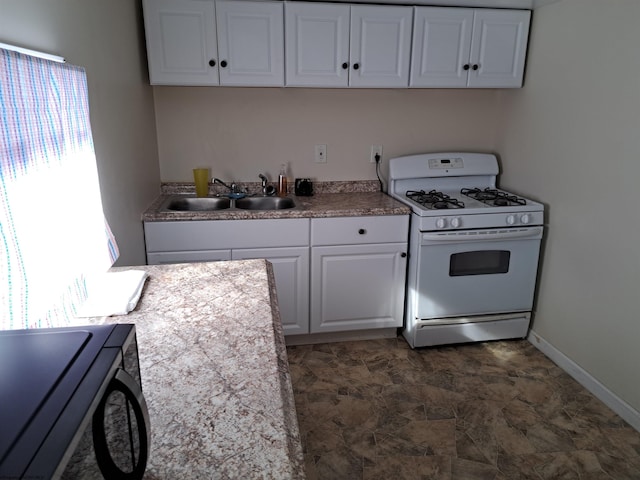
105	37
573	131
240	132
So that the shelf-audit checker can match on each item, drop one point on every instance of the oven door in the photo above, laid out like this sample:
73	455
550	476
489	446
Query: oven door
476	272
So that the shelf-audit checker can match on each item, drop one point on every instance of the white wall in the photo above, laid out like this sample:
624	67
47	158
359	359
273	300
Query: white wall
105	37
571	138
240	132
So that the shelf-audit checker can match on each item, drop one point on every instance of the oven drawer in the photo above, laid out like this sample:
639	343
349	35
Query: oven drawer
359	230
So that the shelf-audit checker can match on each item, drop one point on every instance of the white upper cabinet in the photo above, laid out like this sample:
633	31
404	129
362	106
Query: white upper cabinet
380	46
457	47
313	44
181	42
184	47
498	48
331	45
250	43
441	46
317	44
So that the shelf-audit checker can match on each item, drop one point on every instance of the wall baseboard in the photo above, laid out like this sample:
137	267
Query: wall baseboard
606	396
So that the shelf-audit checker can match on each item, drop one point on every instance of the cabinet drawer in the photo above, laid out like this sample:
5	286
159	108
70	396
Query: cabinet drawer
355	230
221	234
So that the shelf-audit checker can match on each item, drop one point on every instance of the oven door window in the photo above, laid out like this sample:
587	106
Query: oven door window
480	262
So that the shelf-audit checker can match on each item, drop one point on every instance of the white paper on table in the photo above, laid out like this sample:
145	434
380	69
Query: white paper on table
113	293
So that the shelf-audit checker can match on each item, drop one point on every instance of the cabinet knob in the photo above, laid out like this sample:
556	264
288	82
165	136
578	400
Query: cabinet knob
356	66
212	63
466	66
362	231
403	255
475	66
223	63
345	65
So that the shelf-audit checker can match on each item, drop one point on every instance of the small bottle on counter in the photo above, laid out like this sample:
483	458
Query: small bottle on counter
282	181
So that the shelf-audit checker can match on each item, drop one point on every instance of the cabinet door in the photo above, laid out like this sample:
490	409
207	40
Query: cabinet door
317	44
291	272
161	258
380	47
499	47
181	42
441	46
357	287
250	43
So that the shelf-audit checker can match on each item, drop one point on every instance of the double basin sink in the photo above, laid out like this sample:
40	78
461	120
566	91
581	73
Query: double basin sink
207	204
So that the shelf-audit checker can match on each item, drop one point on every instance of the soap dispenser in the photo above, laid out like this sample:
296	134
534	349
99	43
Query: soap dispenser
282	181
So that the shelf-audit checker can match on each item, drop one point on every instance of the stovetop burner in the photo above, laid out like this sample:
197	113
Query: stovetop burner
457	191
492	196
434	200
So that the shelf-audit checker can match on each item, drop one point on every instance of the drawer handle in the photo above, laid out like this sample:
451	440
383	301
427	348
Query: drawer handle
362	231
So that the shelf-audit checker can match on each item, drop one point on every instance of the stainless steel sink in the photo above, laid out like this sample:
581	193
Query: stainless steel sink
196	204
181	203
265	203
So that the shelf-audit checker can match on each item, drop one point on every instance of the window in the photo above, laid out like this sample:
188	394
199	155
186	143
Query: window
52	229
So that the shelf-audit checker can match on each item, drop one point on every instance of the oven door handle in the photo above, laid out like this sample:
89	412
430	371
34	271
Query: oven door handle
481	235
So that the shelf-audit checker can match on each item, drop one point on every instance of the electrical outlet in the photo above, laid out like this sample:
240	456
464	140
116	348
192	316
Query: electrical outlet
375	150
321	154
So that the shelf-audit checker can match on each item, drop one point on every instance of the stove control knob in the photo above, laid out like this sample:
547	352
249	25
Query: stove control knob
511	219
455	222
525	218
441	223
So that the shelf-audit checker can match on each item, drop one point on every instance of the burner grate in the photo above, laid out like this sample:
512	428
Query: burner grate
494	197
434	200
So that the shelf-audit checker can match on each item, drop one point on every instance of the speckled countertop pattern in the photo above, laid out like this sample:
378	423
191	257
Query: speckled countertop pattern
215	373
333	199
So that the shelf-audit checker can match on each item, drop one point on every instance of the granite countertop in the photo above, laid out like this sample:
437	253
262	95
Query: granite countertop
332	199
215	373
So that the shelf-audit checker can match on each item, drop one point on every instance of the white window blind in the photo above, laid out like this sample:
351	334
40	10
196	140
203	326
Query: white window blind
52	229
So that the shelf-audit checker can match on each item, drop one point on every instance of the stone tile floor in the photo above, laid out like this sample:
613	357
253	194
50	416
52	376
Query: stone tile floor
499	410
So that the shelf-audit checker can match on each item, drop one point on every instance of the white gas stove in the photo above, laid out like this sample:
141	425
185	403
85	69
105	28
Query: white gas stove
473	249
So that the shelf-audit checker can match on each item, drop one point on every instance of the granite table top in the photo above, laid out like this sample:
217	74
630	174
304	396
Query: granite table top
337	199
215	373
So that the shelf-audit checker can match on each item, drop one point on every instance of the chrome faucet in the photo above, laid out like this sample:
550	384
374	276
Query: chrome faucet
264	183
233	188
267	190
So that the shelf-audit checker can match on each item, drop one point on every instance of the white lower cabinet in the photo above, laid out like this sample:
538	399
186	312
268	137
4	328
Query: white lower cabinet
284	242
358	270
332	274
357	287
291	271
